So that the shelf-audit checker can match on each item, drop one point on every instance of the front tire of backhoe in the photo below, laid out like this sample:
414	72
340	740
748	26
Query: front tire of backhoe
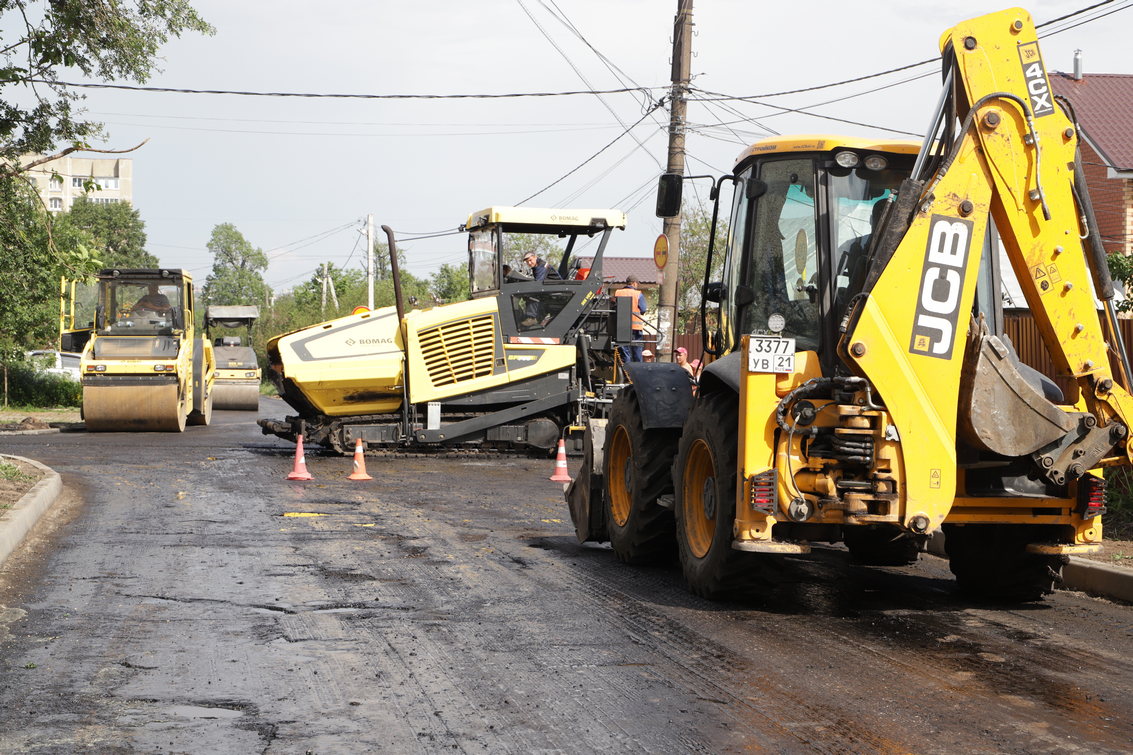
637	465
991	562
705	485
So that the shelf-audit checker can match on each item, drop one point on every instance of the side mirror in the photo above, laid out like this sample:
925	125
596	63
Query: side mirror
669	195
100	317
176	317
714	292
754	188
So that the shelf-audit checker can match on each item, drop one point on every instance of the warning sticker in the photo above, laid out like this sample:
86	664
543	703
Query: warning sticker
1052	272
934	478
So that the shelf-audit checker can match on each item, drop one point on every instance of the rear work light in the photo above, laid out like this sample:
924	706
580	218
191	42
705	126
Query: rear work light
163	368
1091	496
96	368
249	374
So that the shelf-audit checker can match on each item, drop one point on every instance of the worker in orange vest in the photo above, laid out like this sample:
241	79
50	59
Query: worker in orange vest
632	352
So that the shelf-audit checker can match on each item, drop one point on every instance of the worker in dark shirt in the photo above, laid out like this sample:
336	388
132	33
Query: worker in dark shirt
539	269
154	301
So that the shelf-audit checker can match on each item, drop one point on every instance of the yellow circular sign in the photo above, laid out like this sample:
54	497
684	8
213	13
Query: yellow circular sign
359	309
661	251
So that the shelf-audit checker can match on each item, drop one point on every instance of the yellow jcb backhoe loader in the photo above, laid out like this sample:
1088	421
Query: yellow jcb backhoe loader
865	391
143	366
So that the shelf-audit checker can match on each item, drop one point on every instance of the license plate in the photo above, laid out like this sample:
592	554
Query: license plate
770	354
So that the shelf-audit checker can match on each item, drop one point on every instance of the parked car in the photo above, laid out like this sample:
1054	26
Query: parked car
65	363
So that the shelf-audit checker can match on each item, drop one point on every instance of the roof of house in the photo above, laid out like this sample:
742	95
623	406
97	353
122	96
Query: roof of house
617	269
1103	103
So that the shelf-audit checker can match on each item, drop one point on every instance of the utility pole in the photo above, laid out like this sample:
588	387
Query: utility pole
323	303
370	260
682	64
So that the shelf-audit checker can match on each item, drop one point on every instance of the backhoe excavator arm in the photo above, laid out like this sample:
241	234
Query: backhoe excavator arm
1011	157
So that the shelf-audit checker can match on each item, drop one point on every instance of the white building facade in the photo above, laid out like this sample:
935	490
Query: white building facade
63	180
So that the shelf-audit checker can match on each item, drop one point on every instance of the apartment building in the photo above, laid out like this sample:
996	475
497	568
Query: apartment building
63	180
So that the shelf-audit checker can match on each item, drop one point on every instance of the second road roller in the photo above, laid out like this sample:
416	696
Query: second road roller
144	367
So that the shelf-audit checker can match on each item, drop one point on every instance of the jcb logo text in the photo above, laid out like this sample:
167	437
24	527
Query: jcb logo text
942	286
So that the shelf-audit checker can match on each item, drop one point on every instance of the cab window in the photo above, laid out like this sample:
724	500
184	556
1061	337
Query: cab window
782	272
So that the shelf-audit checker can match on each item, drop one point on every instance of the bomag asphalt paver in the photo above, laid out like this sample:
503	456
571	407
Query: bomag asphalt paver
511	366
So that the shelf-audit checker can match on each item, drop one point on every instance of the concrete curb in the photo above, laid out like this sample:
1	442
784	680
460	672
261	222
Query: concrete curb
1082	574
16	522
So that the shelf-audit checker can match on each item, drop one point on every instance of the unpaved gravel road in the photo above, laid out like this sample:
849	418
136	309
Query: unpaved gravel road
185	598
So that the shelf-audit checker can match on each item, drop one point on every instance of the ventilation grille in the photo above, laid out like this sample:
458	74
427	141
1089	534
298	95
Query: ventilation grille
459	351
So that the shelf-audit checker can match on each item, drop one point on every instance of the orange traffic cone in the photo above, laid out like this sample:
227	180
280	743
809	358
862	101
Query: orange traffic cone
359	472
299	471
561	474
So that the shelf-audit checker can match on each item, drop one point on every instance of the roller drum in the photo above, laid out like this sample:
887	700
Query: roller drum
133	407
240	396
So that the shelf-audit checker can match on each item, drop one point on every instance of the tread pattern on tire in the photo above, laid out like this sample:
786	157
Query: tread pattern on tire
648	535
722	572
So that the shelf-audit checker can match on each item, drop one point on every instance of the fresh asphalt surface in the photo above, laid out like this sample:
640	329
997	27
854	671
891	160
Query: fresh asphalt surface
182	596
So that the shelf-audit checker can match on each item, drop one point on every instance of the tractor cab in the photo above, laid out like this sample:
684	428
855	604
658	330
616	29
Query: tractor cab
499	238
800	239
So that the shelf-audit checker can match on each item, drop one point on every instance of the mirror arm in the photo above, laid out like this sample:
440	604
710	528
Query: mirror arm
714	351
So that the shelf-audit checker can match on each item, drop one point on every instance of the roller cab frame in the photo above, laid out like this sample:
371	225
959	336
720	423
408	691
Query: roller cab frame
864	390
143	366
509	367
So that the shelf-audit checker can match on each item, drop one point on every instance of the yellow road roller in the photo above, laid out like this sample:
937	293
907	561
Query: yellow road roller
143	366
237	385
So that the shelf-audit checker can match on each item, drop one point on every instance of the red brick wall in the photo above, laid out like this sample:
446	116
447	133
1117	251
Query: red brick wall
1112	201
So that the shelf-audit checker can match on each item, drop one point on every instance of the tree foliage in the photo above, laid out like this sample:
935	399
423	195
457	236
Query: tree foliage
1121	270
696	225
517	245
450	283
34	255
117	231
101	39
237	269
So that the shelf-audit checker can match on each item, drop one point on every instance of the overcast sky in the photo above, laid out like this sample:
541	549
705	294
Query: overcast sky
298	175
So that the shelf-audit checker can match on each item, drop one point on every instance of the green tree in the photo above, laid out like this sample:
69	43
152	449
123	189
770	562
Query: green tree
382	268
237	269
1121	270
696	225
450	284
517	245
99	39
33	257
117	230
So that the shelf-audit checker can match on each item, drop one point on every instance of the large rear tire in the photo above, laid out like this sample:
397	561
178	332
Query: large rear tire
706	504
991	562
637	466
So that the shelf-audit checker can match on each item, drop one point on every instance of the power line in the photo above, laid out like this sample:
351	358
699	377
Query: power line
587	160
717	97
927	61
345	96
